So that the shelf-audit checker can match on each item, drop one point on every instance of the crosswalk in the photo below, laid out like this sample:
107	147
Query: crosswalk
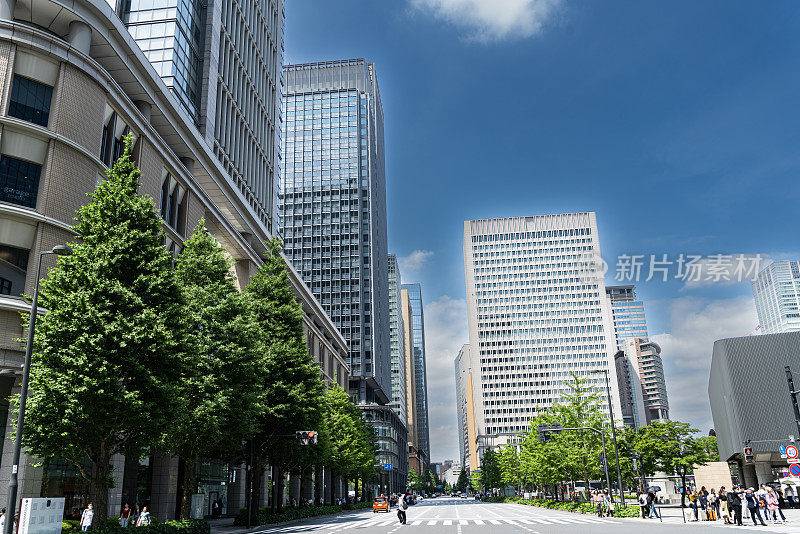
335	527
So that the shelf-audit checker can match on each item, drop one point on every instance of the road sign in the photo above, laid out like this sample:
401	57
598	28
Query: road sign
794	470
791	452
388	467
782	450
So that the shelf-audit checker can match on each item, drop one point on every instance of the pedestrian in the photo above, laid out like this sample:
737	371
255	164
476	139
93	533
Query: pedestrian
642	498
135	516
402	506
608	505
773	506
86	518
125	516
712	505
597	499
722	500
144	518
702	504
3	520
753	505
693	503
735	505
651	503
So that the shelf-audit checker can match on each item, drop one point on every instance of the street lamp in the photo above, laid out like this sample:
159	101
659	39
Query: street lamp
613	432
60	250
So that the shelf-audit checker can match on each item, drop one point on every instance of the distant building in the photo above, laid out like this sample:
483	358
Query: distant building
537	312
750	401
640	371
420	374
465	408
397	342
777	294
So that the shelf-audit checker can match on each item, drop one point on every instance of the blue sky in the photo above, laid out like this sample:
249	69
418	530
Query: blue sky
678	123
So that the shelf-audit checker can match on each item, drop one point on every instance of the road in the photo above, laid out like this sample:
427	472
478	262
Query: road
460	516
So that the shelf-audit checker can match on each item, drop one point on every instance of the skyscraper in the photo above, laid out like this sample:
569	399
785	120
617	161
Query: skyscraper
420	373
333	222
465	405
415	459
627	313
397	341
536	313
640	370
201	49
777	295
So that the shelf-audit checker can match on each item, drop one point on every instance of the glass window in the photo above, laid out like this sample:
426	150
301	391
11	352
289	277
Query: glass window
13	270
30	100
19	181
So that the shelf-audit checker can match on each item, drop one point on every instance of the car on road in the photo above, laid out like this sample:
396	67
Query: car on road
380	504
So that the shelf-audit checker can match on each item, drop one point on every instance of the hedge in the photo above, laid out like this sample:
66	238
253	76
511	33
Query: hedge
183	526
265	516
570	506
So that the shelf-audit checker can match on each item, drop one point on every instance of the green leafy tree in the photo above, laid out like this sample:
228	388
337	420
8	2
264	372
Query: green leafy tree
220	391
111	352
476	481
508	459
292	392
673	448
490	470
463	480
709	444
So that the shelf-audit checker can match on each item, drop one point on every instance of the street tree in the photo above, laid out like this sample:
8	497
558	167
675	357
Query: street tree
220	391
490	470
110	353
463	480
671	446
291	392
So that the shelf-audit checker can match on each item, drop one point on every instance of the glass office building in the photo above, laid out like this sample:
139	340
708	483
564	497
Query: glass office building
222	59
628	314
777	295
420	378
397	341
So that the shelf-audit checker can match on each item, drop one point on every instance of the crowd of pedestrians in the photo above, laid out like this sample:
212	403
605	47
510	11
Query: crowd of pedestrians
647	503
738	504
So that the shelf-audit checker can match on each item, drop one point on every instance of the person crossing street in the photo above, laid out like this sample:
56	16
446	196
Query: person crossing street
402	506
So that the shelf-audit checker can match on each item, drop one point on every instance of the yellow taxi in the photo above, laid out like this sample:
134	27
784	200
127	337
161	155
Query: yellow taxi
380	504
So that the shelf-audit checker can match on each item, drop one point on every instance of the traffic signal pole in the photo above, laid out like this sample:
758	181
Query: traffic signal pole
793	395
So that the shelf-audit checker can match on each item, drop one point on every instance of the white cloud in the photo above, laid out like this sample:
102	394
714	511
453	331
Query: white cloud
445	333
414	261
492	20
695	324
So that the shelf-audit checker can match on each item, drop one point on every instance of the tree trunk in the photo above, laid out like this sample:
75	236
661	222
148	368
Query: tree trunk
683	486
99	490
319	483
187	487
256	486
346	487
279	487
330	498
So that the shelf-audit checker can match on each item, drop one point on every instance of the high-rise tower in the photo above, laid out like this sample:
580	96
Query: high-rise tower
420	374
777	295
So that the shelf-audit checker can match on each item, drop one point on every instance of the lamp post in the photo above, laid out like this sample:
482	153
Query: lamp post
60	250
613	432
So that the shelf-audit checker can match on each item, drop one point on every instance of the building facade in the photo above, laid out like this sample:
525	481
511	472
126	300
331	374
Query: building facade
640	370
68	96
397	341
333	220
465	408
420	369
537	312
747	381
777	294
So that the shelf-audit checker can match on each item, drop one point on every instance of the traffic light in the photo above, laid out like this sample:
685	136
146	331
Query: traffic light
556	428
306	437
748	455
544	434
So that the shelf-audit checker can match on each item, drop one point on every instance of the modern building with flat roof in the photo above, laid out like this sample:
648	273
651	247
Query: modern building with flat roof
74	79
420	369
397	341
537	312
750	401
776	290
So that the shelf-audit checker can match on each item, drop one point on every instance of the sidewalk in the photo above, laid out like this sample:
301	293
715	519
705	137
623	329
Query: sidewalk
672	514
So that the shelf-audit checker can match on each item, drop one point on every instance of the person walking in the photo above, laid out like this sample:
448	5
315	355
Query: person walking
694	504
597	499
789	494
722	501
642	498
712	505
753	506
651	503
125	516
144	518
402	506
3	520
773	506
702	504
86	518
608	506
735	505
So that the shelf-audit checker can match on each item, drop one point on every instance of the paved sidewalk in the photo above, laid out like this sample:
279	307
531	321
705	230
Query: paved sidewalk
225	525
674	514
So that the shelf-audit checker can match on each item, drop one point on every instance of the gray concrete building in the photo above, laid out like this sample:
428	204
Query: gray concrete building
68	94
750	401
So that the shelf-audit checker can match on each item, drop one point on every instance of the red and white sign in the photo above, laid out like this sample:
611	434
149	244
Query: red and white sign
791	452
794	470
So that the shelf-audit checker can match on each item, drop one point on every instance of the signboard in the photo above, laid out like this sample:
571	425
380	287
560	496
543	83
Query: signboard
791	452
41	515
782	450
794	470
388	467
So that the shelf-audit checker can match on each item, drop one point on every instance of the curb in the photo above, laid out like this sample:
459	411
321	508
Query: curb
258	528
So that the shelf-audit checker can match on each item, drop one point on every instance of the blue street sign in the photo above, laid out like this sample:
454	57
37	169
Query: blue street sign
783	450
794	470
388	467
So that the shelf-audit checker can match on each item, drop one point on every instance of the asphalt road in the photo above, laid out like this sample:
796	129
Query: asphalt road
461	516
